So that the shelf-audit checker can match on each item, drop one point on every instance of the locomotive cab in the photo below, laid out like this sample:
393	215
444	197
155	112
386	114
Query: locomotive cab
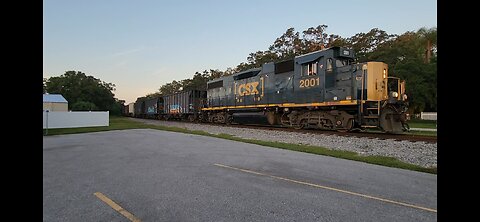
396	90
383	100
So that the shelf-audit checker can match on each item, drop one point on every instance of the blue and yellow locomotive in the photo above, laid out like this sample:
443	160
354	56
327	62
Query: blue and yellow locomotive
322	89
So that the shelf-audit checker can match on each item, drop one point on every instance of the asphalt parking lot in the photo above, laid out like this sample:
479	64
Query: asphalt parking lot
152	175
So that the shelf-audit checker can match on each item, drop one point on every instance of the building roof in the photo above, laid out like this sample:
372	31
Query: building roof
54	98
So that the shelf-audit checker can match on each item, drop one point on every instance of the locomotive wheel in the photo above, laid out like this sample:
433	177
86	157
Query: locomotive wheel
228	119
300	126
348	128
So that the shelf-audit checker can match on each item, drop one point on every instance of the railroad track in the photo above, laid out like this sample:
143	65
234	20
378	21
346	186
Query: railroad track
367	134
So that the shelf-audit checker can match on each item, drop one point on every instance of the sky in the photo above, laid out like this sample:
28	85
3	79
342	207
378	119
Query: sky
143	44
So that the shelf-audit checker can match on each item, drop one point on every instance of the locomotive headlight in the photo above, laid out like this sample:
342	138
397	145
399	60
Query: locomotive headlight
384	73
394	94
404	96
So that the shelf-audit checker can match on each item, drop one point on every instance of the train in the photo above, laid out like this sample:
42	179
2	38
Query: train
324	89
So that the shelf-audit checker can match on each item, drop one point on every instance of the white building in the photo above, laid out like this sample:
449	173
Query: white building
55	103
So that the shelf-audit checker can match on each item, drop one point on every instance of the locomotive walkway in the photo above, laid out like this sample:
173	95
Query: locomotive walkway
151	175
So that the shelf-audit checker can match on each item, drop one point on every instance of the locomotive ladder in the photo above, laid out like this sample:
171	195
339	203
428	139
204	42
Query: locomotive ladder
371	112
373	109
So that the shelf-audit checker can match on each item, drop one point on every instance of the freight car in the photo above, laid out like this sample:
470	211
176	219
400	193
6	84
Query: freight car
128	110
184	105
148	108
153	107
124	110
131	109
322	89
139	108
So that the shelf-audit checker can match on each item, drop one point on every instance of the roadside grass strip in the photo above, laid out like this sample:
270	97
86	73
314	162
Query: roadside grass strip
416	123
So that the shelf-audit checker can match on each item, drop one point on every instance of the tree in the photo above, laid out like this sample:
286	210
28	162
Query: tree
214	74
405	55
258	58
76	86
365	43
428	38
151	95
245	66
83	106
170	88
117	107
230	71
44	86
421	81
290	45
287	45
339	42
198	82
314	39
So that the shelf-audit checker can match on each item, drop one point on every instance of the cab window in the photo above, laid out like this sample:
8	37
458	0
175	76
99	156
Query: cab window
342	62
329	64
329	75
309	69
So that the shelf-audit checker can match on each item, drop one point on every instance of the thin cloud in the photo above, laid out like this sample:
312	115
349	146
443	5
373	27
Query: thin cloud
127	52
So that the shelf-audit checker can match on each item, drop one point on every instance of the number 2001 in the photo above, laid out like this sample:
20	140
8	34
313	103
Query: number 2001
304	83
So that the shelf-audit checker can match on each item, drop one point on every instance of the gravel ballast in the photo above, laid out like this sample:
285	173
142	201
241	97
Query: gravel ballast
417	153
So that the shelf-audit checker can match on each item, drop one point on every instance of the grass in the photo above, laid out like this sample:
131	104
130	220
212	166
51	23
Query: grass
423	133
411	132
427	124
418	123
378	160
119	123
116	123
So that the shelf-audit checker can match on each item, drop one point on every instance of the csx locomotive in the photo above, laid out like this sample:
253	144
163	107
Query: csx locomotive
322	89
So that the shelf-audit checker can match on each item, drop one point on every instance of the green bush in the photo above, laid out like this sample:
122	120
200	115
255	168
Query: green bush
83	106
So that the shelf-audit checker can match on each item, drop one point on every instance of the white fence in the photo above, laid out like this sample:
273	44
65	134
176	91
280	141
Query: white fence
428	115
52	120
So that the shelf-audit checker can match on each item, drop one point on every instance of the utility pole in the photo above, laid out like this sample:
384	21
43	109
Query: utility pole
46	131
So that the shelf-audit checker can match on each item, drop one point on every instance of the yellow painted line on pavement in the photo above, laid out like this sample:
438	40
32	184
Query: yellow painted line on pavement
329	188
116	207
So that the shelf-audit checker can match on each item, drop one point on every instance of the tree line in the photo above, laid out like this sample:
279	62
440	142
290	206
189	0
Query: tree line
84	93
411	56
